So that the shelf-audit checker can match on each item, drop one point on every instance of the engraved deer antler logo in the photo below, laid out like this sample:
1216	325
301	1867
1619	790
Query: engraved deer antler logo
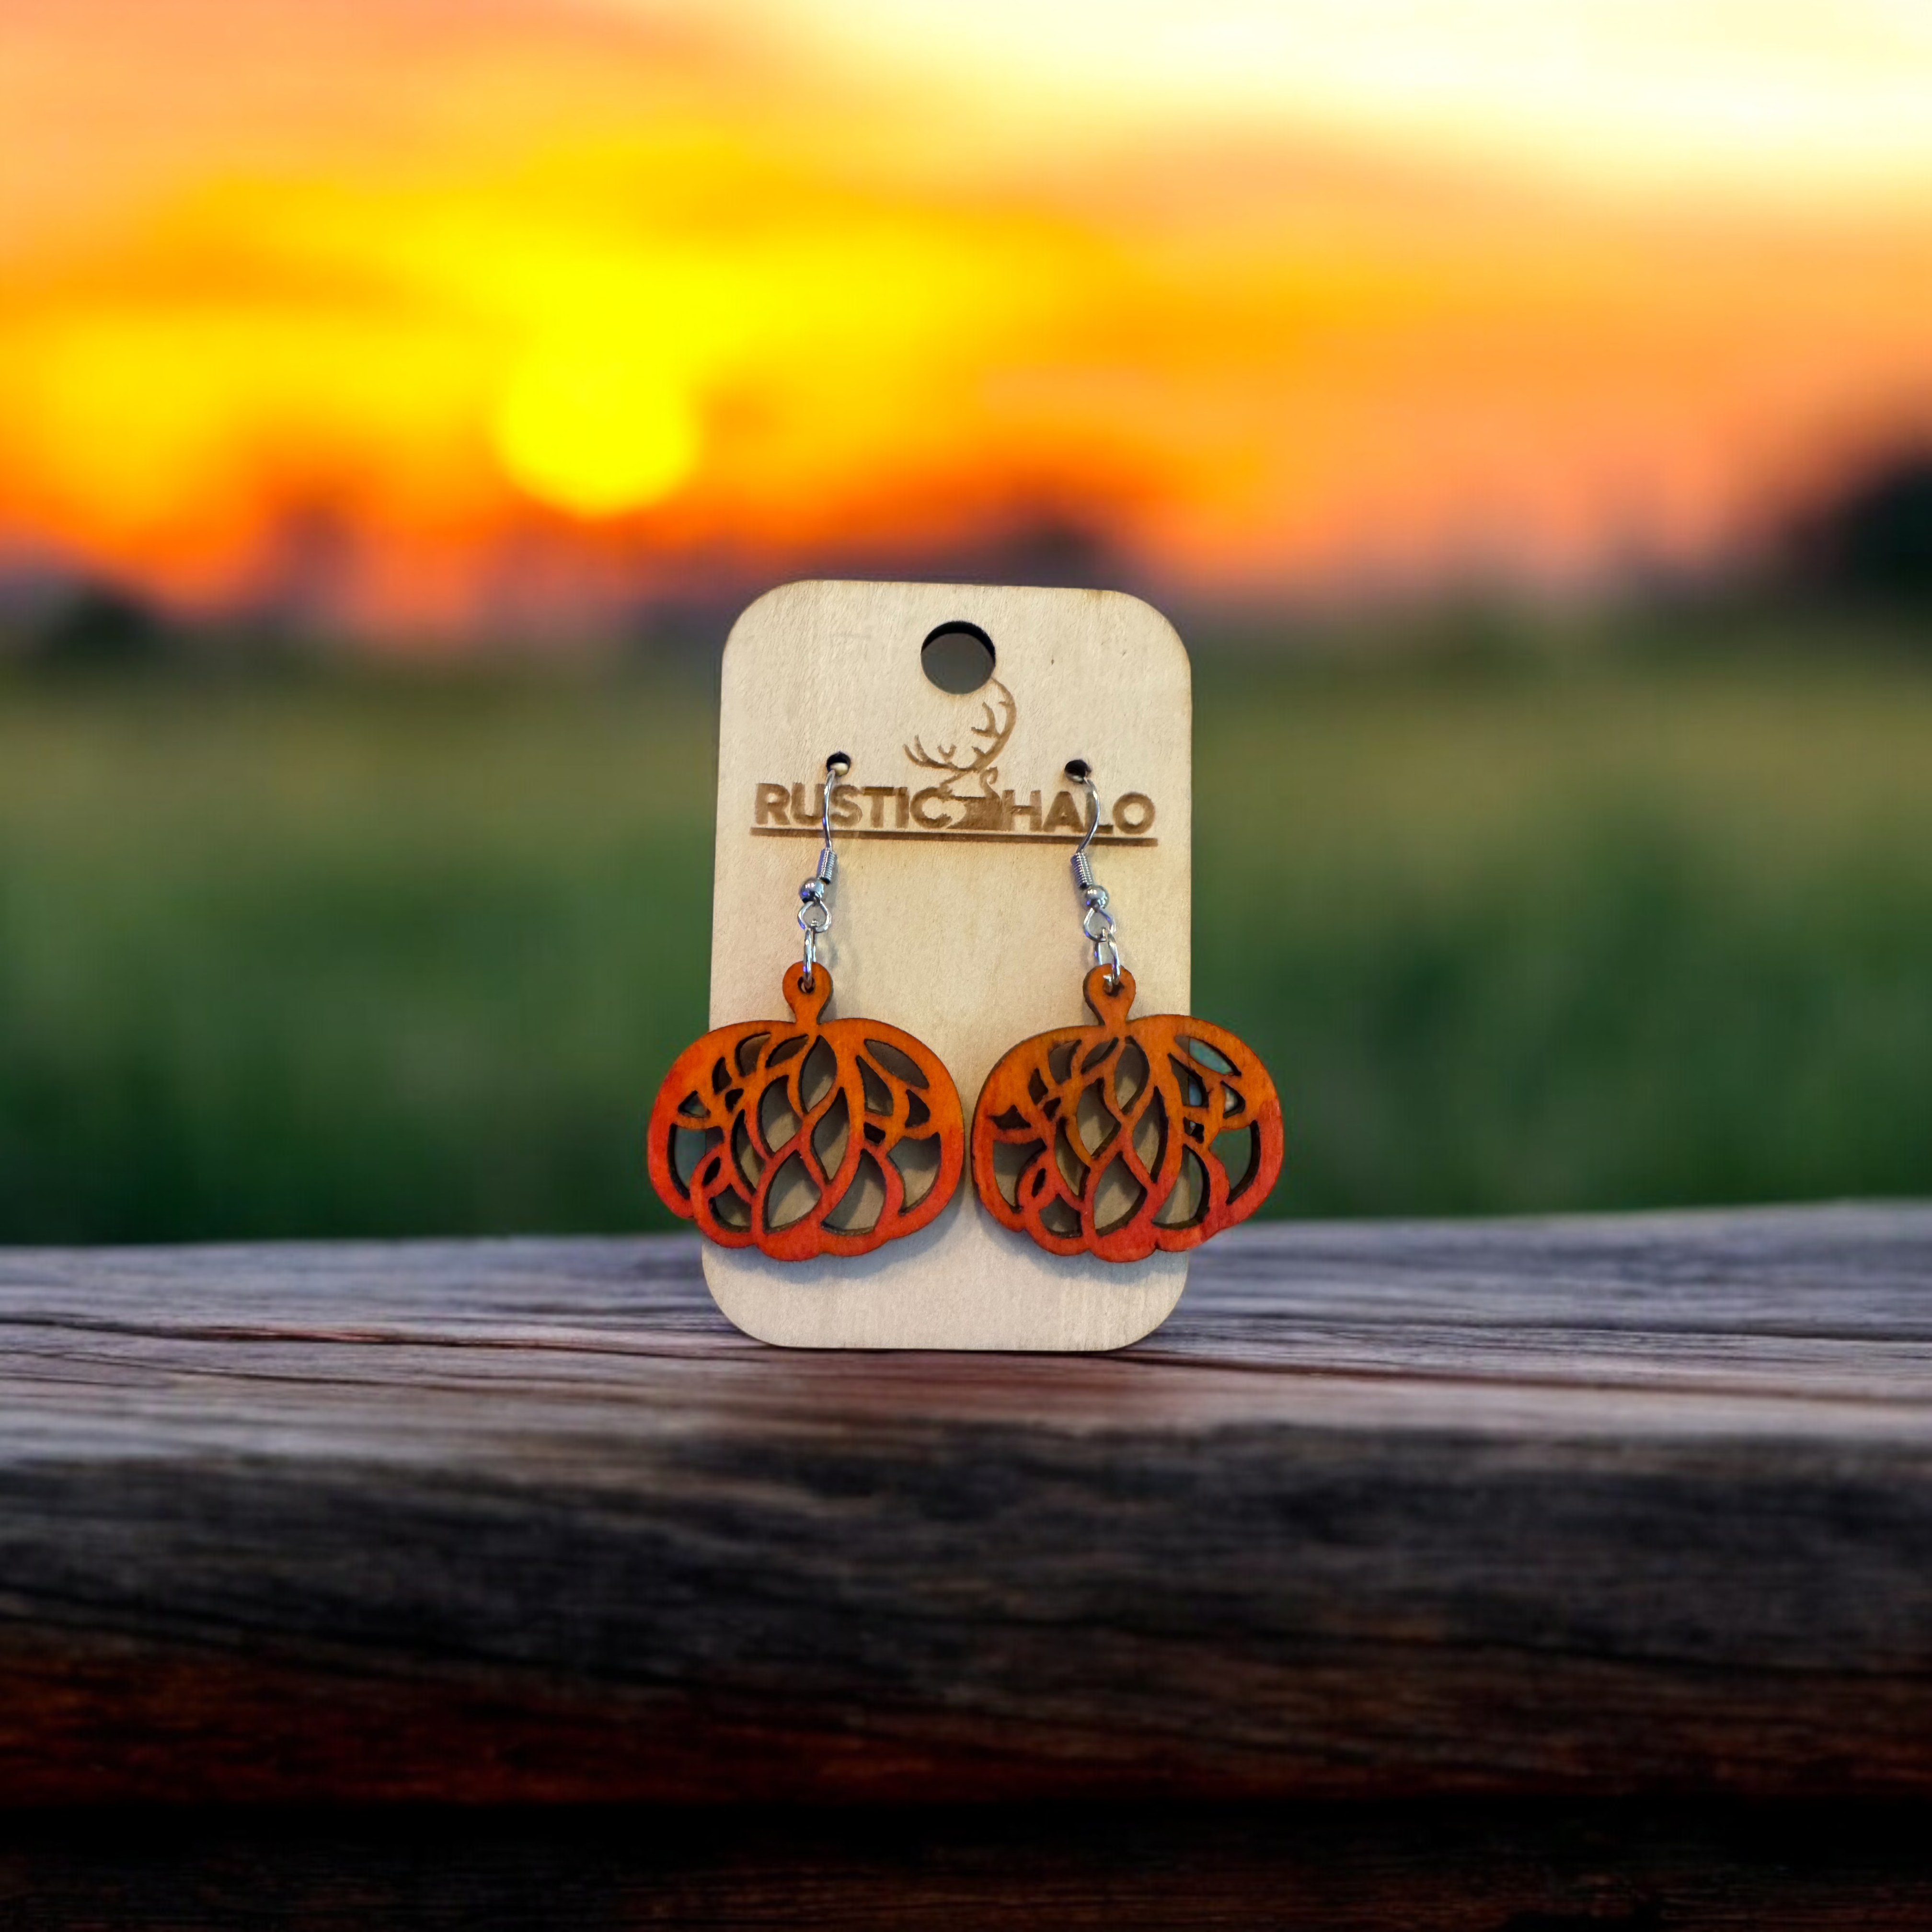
988	740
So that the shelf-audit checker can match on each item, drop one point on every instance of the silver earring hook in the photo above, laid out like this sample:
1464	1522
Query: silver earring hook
1095	921
815	912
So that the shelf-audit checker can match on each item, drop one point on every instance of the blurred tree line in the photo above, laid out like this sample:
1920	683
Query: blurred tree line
1863	543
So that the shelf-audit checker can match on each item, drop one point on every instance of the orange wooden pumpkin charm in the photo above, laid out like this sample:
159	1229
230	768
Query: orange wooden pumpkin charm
808	1136
1103	1140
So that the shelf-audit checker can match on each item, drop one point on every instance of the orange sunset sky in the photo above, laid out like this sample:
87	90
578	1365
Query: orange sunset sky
434	315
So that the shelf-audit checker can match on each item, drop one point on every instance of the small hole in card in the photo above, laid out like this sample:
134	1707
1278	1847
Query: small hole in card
958	657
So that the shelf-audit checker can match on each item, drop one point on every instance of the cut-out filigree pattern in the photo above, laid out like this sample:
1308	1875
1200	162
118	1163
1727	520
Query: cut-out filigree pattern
808	1136
1111	1140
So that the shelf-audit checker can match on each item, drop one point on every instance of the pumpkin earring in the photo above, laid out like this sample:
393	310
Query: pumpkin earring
1108	1140
807	1136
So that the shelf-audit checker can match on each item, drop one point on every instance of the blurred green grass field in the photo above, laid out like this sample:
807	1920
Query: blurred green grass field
309	955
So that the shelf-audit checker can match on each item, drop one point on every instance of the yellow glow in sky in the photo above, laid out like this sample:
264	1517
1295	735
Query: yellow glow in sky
587	426
583	293
1767	99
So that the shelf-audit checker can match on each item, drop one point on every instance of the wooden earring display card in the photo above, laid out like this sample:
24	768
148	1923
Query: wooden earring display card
955	915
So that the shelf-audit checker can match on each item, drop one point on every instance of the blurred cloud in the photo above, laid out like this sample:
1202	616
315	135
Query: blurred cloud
543	310
1765	99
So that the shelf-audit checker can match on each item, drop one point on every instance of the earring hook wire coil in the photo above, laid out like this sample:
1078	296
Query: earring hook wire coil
815	911
1097	923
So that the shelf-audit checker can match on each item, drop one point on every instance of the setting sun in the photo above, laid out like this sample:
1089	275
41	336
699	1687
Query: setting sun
579	296
583	427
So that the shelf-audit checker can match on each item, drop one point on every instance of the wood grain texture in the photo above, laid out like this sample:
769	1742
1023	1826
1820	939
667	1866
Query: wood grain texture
967	937
1587	1507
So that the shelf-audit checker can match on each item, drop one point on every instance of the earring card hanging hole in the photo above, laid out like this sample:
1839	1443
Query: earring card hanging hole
960	707
958	657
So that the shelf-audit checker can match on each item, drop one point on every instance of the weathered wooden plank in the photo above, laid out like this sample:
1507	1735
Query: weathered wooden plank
1633	1504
